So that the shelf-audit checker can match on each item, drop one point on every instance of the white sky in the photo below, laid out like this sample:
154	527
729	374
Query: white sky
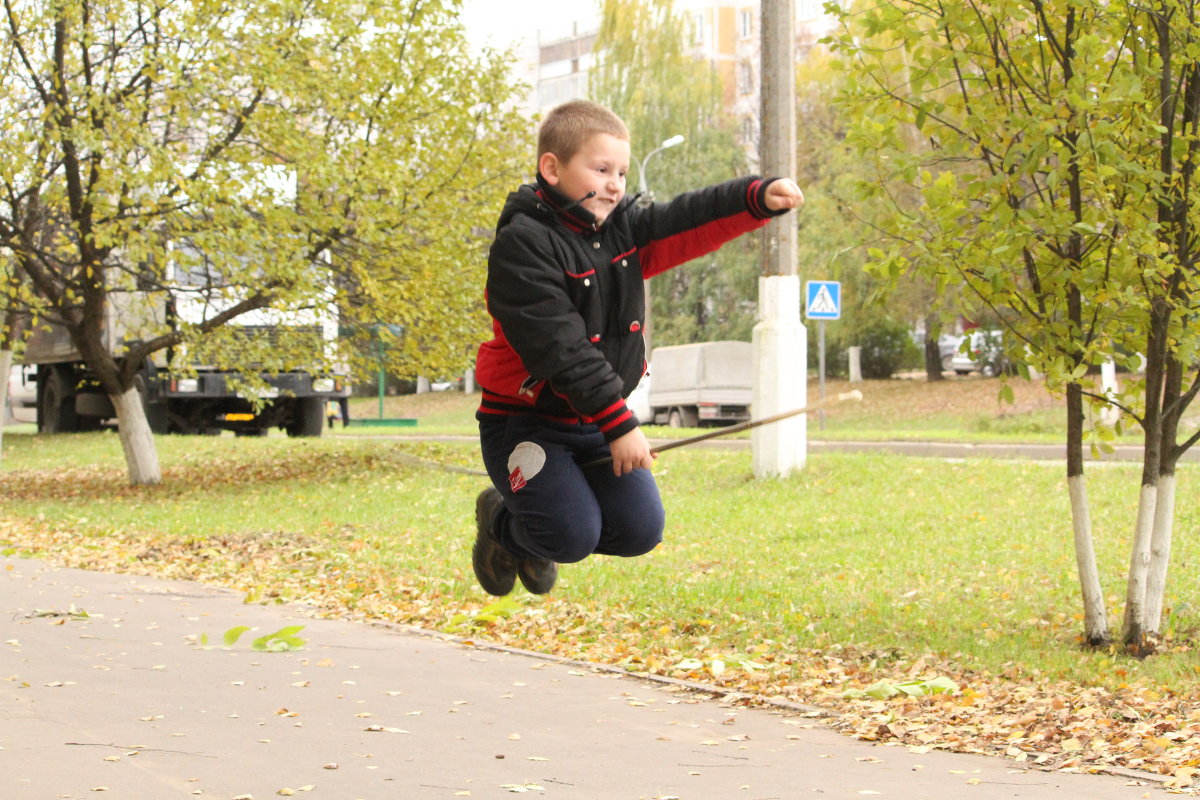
502	22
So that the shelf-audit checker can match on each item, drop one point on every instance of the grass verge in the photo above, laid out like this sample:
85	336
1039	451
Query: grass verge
859	570
965	409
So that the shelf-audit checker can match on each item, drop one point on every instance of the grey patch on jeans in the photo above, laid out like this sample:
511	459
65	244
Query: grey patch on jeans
529	458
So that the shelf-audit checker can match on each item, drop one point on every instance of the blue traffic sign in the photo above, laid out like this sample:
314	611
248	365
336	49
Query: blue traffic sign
824	299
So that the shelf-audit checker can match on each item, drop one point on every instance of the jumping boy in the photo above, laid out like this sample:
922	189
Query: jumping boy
565	291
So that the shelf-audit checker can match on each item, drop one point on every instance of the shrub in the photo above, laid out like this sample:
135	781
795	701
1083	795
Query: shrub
835	351
886	347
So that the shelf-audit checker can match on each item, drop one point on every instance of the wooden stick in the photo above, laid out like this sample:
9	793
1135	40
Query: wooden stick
742	426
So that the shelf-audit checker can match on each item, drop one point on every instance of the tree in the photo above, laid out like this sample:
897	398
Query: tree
836	231
1164	45
282	155
1055	187
644	72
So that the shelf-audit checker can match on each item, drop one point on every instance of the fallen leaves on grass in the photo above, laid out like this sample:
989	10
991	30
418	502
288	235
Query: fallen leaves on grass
1037	722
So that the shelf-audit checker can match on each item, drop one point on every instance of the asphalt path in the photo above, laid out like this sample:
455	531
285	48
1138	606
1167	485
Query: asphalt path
109	690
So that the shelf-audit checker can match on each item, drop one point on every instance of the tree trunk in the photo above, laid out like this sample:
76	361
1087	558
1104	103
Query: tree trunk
933	351
1135	630
933	359
1095	620
1160	552
6	358
1134	634
1174	405
137	440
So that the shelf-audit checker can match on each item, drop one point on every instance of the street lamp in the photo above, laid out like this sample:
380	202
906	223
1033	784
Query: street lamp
643	189
644	200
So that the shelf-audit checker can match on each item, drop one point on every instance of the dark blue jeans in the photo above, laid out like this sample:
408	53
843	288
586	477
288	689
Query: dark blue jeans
557	509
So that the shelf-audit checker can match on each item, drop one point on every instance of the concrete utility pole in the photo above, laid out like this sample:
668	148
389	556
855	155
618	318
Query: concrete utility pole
780	340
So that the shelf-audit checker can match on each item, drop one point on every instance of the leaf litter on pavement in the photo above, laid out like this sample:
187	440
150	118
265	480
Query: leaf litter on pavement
1034	721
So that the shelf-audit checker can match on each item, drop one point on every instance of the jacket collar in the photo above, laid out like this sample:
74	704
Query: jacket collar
570	211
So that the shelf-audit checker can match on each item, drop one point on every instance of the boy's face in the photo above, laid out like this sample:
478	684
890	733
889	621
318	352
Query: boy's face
599	166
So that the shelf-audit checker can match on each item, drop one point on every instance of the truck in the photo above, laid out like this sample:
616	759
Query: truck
706	383
204	397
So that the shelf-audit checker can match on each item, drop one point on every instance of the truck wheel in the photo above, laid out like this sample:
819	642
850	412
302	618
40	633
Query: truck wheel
56	404
308	417
682	417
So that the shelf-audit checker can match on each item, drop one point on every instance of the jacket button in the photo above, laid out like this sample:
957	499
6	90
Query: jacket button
624	262
587	281
595	245
635	326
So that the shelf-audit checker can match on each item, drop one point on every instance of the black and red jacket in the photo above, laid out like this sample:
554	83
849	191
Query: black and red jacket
567	300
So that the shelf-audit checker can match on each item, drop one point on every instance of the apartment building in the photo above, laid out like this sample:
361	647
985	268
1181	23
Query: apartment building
725	32
564	56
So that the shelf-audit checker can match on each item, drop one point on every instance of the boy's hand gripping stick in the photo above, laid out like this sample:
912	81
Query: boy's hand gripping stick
742	426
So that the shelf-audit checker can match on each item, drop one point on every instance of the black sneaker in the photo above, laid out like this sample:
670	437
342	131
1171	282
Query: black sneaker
495	567
537	574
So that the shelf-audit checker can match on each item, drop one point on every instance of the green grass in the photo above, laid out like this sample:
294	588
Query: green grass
444	413
964	409
972	562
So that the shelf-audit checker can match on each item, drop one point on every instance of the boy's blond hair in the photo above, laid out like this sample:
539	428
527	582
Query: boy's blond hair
568	126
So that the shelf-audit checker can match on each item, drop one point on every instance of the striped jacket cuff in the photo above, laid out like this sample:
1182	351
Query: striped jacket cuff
756	200
614	421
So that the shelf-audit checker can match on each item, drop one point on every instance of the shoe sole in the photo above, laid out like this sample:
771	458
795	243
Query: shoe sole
537	584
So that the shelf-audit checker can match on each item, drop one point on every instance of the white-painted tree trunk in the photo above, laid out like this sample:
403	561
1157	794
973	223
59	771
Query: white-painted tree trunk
1110	415
1160	552
856	364
6	359
1139	566
1095	618
137	440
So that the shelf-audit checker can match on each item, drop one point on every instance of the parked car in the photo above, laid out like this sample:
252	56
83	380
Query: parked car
981	351
948	344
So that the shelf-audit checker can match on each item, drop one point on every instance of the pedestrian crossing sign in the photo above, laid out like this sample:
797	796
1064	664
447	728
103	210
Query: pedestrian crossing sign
824	299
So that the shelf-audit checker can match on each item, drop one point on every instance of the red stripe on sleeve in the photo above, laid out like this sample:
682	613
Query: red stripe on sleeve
752	199
608	426
610	410
663	254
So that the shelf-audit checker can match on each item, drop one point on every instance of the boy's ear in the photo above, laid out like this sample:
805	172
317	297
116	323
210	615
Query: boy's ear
548	166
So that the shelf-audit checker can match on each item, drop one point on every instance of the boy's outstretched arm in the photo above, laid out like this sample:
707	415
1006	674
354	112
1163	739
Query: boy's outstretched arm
630	451
783	194
700	221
